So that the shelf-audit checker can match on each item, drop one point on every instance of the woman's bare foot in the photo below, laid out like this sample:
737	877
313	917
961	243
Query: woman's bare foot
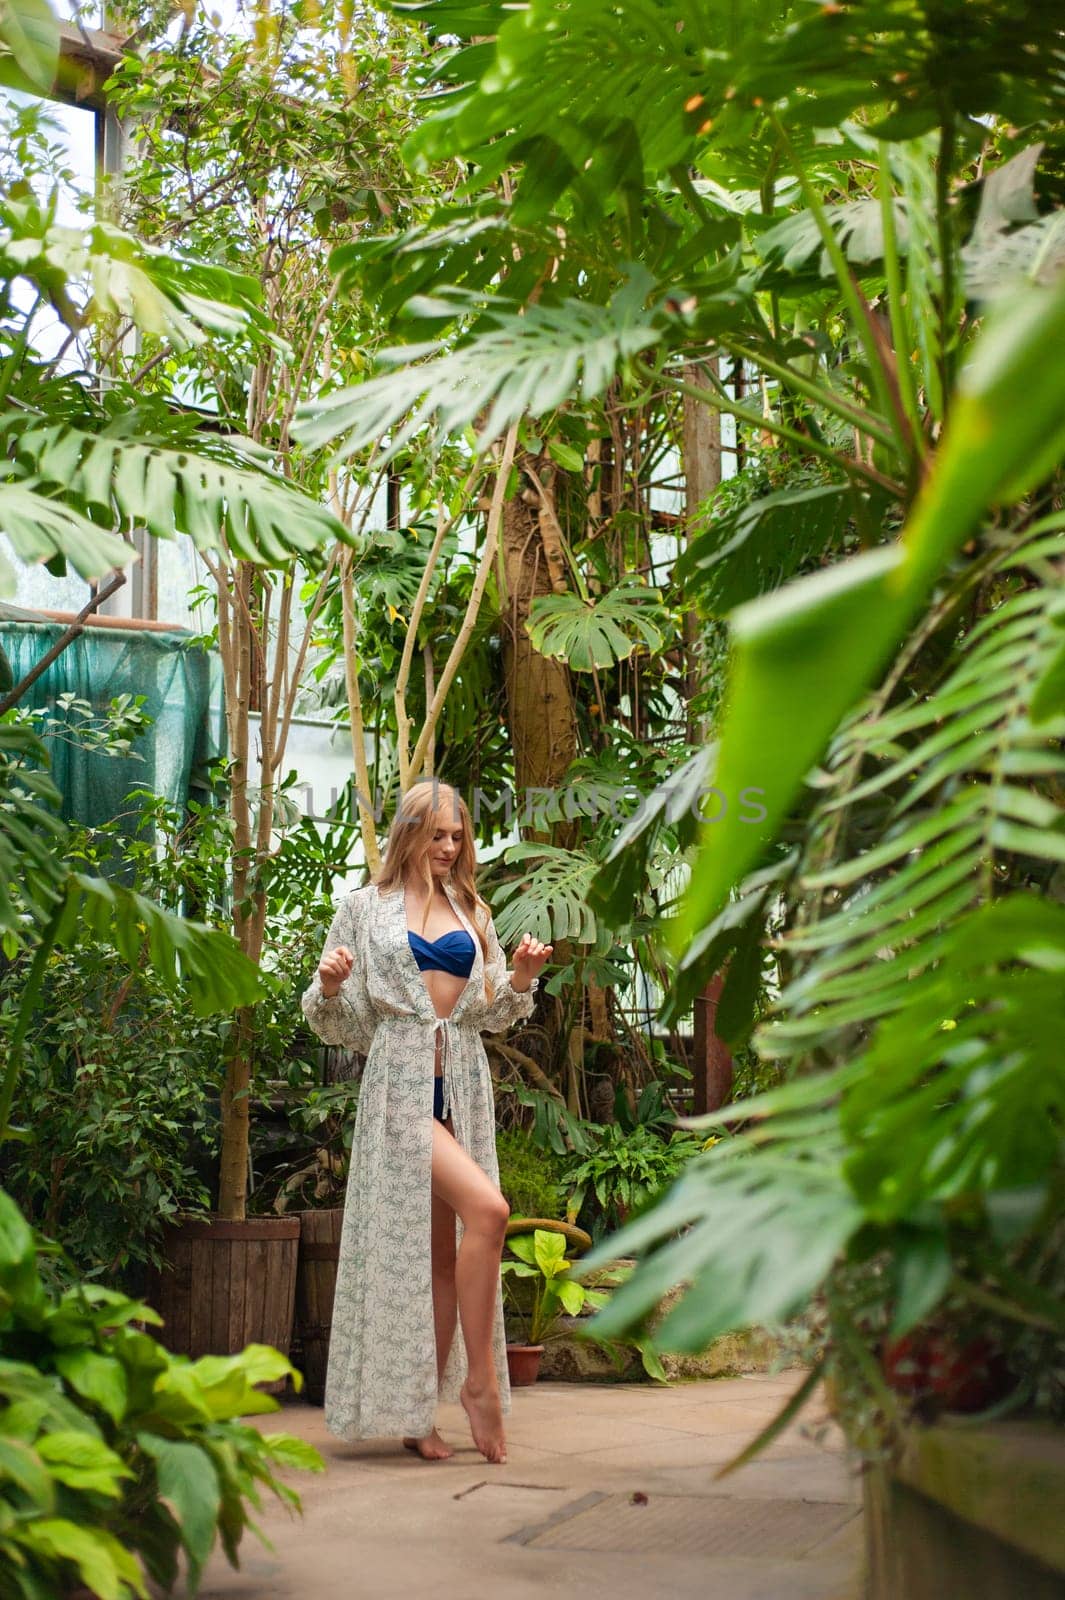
431	1448
486	1421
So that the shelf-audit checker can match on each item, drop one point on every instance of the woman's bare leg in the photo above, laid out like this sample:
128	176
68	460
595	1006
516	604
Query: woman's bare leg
445	1294
460	1183
445	1303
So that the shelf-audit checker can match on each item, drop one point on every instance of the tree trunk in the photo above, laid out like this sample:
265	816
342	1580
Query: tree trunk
543	724
702	475
542	717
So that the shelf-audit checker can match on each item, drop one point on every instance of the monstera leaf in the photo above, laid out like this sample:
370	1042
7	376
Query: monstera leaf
223	504
520	364
550	899
41	527
601	632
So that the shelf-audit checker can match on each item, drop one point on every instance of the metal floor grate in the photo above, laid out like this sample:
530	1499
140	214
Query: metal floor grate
689	1526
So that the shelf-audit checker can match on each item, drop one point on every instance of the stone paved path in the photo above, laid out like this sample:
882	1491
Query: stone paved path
608	1491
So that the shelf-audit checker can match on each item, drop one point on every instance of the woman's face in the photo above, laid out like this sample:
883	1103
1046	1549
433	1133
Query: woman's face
445	844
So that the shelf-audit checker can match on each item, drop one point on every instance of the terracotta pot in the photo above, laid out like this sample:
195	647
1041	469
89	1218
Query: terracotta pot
523	1364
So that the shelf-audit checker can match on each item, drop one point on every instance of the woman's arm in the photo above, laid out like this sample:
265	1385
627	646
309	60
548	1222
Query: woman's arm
347	1017
508	1005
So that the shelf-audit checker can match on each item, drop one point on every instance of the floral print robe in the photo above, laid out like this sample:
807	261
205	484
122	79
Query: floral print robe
381	1380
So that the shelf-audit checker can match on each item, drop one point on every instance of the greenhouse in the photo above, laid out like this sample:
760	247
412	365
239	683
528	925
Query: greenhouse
532	857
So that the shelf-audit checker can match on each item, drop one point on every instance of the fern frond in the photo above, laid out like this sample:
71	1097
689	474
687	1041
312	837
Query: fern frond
960	803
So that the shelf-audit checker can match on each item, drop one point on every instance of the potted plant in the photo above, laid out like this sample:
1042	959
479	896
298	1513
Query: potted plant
542	1263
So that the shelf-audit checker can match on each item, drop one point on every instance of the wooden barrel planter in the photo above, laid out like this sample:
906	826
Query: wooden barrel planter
316	1281
226	1285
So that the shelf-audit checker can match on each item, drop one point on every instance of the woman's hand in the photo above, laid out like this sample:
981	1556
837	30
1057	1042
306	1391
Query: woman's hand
529	958
334	968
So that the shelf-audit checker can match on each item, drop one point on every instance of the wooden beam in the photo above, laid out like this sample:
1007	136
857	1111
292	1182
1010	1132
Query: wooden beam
711	1060
87	58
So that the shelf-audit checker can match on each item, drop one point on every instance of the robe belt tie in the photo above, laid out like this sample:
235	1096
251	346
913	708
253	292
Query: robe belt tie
445	1030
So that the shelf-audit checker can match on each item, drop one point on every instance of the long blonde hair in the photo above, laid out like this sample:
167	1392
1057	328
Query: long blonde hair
407	850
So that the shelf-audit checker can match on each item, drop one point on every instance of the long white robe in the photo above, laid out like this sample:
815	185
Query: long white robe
381	1380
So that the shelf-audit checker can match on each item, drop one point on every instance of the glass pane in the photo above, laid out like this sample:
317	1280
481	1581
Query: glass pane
89	11
51	146
179	570
37	590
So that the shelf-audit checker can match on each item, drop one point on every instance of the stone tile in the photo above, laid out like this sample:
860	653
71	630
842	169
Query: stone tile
579	1435
381	1522
724	1416
818	1476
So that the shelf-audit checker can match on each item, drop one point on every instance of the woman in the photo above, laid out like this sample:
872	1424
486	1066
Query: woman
412	972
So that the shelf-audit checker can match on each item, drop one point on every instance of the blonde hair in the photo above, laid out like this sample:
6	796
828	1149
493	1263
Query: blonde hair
407	850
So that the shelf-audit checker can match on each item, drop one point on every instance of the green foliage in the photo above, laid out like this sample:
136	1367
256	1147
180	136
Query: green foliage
625	1170
84	466
222	498
763	543
29	45
541	1259
31	835
110	732
117	1459
123	1057
517	365
927	973
597	633
115	1102
549	900
528	1175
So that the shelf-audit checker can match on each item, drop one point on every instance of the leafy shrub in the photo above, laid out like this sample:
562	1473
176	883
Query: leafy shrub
115	1092
117	1458
119	1091
528	1176
625	1169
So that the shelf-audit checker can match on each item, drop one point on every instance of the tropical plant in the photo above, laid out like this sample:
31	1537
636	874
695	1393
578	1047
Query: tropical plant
118	1461
541	1260
839	226
625	1170
84	463
118	1096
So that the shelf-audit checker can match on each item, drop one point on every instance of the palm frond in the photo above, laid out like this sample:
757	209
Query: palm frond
517	366
961	782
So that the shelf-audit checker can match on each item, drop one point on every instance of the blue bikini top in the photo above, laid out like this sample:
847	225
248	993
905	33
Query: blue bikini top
452	952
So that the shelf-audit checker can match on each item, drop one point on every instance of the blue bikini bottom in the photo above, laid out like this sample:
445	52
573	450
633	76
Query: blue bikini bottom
438	1099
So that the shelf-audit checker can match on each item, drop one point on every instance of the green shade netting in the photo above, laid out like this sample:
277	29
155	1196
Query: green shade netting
182	685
